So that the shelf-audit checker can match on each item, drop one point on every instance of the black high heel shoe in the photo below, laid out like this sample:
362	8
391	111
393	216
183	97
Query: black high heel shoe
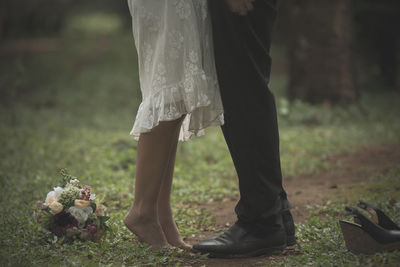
378	217
368	237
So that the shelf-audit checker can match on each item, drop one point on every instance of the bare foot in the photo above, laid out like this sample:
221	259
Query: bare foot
146	229
172	234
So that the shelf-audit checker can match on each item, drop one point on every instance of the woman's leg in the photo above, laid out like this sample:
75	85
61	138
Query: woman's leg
164	201
152	159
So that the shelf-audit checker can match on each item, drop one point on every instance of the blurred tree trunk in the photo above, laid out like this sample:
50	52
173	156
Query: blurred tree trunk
378	36
320	51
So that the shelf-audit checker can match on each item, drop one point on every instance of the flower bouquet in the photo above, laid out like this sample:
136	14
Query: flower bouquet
72	211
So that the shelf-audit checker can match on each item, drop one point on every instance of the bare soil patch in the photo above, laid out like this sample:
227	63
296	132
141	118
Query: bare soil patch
347	171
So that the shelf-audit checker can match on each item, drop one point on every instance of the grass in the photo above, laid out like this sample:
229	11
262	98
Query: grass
74	108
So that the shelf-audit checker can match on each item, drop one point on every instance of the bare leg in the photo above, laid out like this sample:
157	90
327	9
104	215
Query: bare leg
152	158
164	202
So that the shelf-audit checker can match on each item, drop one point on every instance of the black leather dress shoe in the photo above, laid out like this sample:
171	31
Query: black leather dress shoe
239	242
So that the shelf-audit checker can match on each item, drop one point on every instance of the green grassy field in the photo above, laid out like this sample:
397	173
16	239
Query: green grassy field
74	108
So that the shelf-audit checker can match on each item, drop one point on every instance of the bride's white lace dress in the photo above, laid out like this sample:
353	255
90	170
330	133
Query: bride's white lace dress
173	39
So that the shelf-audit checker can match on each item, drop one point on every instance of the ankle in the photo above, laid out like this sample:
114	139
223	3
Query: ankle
165	217
164	210
141	216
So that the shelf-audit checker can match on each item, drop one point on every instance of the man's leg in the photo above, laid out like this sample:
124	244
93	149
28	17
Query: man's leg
251	129
243	63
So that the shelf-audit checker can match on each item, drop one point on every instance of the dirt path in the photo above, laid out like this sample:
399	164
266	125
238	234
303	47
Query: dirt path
348	171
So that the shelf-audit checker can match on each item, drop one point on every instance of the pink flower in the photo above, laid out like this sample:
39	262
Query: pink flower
85	193
92	229
39	203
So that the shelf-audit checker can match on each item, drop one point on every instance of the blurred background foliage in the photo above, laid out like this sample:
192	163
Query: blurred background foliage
335	49
24	18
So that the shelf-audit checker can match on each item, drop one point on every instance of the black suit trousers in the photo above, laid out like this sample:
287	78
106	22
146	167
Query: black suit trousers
241	46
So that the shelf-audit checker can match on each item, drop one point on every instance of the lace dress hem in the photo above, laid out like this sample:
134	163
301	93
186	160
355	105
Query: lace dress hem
171	103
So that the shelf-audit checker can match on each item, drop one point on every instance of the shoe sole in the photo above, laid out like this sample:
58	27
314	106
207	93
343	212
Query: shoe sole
259	252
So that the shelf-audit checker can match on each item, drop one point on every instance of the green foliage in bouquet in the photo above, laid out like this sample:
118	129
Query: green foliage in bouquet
65	177
94	206
46	220
100	221
68	196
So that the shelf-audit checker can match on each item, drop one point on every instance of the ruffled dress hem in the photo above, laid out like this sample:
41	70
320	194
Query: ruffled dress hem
185	134
168	104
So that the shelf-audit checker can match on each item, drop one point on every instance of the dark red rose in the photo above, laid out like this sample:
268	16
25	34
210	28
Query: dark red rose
63	221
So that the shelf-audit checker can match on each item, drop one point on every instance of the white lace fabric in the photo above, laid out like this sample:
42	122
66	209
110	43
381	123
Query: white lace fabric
177	73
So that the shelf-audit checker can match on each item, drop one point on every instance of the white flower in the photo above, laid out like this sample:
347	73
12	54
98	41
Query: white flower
74	182
53	195
92	197
58	190
50	198
81	214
